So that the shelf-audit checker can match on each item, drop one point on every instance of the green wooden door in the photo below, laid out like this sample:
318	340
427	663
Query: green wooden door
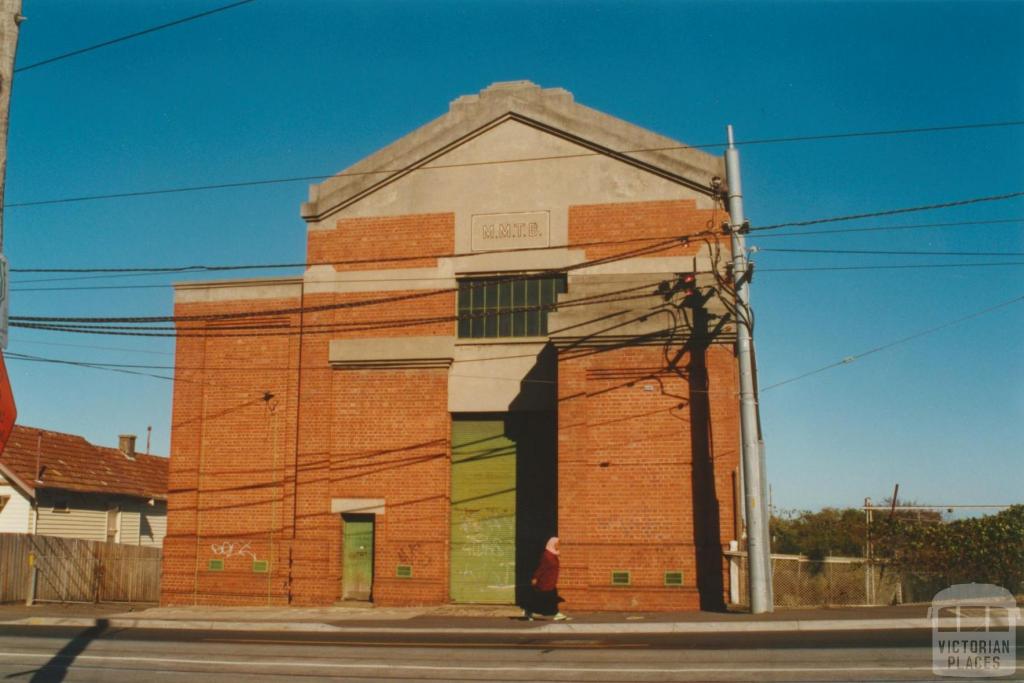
483	532
357	558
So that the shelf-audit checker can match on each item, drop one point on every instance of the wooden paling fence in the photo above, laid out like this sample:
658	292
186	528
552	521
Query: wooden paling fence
72	570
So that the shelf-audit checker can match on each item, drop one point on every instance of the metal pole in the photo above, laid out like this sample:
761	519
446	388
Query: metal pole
33	580
758	552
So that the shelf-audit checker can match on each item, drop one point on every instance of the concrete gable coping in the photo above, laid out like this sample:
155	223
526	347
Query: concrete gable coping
399	353
551	110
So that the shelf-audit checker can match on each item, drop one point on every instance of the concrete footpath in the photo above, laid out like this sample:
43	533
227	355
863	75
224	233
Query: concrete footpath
458	619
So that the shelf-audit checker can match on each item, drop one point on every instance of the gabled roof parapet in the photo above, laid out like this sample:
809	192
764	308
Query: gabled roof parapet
553	110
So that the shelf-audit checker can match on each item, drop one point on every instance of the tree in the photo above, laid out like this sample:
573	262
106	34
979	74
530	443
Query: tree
986	549
828	532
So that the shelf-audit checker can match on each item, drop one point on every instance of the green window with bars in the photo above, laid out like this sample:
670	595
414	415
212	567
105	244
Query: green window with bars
512	306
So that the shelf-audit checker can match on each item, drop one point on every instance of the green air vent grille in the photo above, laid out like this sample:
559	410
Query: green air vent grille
673	578
215	565
404	571
260	566
620	578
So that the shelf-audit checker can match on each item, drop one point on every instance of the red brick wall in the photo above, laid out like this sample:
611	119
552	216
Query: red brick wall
231	455
323	436
391	433
234	456
631	496
384	242
615	224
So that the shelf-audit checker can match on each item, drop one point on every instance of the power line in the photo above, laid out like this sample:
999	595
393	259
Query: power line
880	228
208	368
807	269
136	34
285	329
127	371
876	133
641	251
83	364
823	268
345	174
33	342
893	212
134	369
202	268
909	266
891	252
849	359
87	287
171	285
111	272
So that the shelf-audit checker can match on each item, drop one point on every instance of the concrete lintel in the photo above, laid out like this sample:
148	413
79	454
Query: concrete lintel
365	506
233	290
326	280
551	258
396	353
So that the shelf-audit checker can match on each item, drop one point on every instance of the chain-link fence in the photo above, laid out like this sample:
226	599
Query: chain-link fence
799	581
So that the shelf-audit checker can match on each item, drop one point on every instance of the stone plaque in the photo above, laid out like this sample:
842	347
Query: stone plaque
493	231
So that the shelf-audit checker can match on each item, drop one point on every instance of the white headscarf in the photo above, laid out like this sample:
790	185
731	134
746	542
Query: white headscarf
552	546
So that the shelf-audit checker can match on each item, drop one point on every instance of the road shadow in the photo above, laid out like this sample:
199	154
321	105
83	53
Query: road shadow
56	669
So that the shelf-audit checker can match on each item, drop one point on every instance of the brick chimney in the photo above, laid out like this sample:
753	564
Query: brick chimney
126	444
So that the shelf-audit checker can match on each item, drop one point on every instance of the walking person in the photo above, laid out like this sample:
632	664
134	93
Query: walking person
543	598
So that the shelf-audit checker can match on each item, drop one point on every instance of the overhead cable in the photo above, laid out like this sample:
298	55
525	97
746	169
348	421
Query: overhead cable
136	34
387	171
902	340
912	266
642	251
893	212
886	228
201	268
890	252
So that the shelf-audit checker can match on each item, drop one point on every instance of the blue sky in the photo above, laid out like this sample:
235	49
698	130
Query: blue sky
274	89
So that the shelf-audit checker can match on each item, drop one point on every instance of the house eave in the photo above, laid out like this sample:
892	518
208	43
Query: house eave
17	482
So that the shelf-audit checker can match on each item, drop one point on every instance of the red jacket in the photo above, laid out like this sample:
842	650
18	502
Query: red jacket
546	576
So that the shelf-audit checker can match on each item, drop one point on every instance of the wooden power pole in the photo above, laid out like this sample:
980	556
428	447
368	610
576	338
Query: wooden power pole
10	17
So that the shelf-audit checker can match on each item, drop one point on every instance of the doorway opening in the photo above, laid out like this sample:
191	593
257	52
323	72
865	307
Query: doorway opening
503	502
357	557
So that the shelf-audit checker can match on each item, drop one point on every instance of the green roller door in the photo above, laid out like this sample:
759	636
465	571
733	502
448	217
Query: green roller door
483	516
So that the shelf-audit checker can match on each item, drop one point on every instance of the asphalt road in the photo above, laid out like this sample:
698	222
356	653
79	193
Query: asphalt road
36	654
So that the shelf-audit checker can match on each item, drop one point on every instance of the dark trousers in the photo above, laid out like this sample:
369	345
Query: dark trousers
542	602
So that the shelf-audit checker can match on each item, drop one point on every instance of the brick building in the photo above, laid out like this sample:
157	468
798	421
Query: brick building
491	343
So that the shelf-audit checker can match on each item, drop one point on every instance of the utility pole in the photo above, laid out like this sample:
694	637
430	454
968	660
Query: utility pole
754	484
10	17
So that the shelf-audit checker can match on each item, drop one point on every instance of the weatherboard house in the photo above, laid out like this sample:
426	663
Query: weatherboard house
56	484
496	340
